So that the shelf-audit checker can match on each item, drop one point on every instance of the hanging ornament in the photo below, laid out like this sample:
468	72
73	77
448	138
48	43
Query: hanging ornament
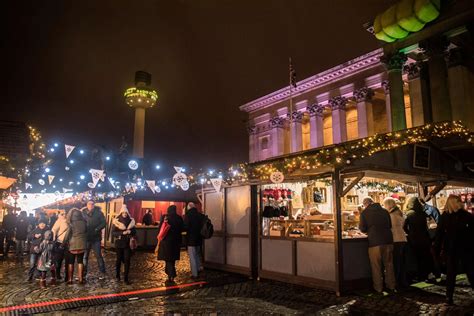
128	187
68	149
41	182
66	190
179	178
50	178
28	186
185	186
217	183
91	185
179	169
277	177
157	189
133	164
134	187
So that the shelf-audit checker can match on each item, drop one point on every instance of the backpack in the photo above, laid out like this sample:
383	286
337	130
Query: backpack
207	229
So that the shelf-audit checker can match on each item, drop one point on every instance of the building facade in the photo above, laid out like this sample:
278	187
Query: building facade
388	89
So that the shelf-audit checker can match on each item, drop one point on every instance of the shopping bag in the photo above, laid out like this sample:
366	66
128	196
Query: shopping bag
165	227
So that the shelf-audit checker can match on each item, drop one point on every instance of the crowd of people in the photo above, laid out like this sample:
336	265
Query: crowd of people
59	243
395	236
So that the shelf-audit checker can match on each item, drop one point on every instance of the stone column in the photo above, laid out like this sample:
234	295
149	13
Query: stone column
365	115
394	64
435	49
296	131
316	136
252	130
461	87
388	108
415	88
339	127
277	125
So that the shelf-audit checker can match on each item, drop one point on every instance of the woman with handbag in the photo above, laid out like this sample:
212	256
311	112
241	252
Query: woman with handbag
60	230
124	232
169	237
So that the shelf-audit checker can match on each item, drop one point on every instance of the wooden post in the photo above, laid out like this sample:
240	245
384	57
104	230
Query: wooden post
337	189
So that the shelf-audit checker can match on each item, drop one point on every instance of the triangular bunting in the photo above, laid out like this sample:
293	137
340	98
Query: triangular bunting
217	183
68	149
178	169
28	185
50	178
152	185
96	175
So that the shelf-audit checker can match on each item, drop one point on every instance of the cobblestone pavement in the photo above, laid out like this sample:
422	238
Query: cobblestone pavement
225	294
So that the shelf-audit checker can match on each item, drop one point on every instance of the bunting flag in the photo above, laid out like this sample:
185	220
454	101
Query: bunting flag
152	185
50	178
178	169
66	190
217	183
96	175
134	187
28	186
102	177
68	149
112	182
128	187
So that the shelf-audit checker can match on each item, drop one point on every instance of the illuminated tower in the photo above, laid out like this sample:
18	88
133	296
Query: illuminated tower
140	97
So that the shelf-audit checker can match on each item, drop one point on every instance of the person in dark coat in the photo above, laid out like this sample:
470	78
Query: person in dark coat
35	237
454	243
148	218
76	239
123	230
95	223
193	222
375	221
419	241
170	245
9	225
21	233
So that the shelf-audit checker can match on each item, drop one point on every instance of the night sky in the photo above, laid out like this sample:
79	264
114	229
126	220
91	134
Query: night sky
65	65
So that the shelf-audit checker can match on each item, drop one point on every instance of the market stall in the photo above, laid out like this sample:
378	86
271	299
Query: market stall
304	229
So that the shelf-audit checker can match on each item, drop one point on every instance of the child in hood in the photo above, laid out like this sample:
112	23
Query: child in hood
35	237
45	261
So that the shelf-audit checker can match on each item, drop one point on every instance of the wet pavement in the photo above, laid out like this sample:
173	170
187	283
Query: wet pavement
222	294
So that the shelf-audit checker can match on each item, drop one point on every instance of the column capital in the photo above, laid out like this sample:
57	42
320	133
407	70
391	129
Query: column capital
386	86
394	61
252	129
412	70
457	56
434	46
363	94
277	122
296	116
338	103
315	109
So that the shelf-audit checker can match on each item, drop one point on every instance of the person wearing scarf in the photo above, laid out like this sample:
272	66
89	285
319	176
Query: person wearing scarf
123	231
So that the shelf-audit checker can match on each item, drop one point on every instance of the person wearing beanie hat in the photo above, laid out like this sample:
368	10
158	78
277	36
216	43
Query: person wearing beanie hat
123	231
35	237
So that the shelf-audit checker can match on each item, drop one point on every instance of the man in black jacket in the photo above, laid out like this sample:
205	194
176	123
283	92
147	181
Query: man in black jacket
193	222
21	235
375	221
95	223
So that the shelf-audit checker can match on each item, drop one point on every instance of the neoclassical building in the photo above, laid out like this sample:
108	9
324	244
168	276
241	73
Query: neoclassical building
427	78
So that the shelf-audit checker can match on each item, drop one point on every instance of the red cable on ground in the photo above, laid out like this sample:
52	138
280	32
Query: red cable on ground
85	298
